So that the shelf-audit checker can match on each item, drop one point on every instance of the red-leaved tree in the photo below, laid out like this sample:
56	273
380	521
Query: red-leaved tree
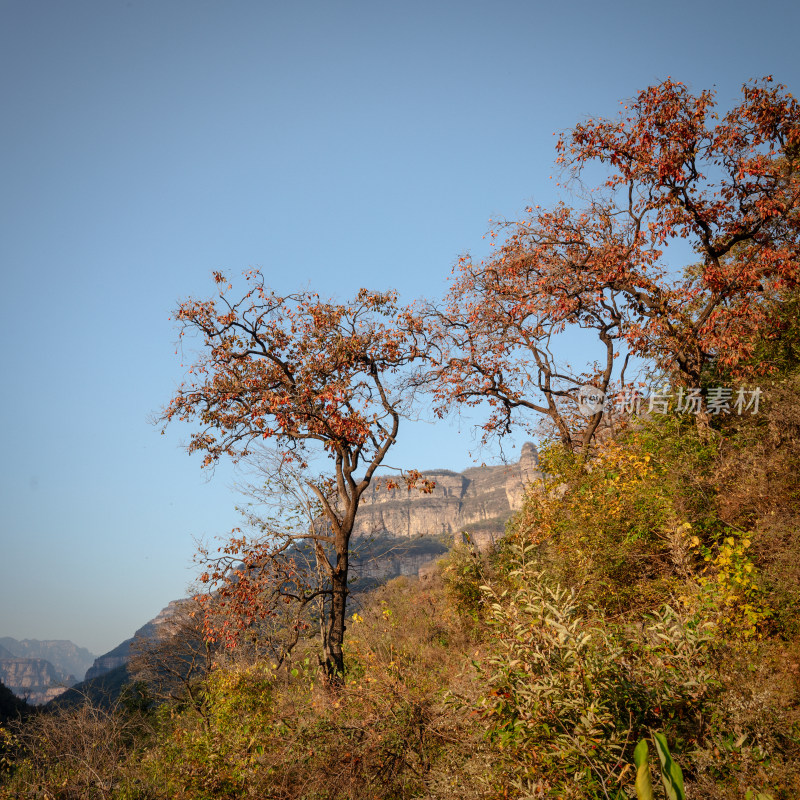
676	173
496	337
728	186
311	378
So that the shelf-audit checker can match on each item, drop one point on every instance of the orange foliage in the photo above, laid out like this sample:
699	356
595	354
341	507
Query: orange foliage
730	187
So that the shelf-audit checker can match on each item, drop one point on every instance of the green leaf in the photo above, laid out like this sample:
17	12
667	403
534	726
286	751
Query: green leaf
644	787
671	775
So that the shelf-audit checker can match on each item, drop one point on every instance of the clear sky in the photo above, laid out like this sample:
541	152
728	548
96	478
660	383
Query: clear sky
335	145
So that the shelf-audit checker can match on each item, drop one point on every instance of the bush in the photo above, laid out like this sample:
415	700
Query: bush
78	753
385	733
464	572
570	694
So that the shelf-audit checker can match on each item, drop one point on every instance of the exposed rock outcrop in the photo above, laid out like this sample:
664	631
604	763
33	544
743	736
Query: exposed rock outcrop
121	654
39	670
117	657
477	502
33	679
65	656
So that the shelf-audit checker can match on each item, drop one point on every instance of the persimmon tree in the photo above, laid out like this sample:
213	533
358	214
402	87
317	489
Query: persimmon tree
260	595
266	587
729	187
494	339
676	174
319	382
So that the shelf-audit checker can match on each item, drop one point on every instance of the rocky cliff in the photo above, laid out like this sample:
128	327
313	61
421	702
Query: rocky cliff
40	670
477	502
32	679
121	654
65	656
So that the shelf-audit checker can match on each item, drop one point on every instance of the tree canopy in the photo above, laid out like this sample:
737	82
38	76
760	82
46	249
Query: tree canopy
675	172
308	377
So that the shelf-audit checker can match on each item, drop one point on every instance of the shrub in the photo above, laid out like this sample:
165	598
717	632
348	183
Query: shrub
569	694
78	753
463	574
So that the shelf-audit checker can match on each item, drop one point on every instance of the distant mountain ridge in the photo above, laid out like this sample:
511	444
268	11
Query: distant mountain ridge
39	670
33	679
67	657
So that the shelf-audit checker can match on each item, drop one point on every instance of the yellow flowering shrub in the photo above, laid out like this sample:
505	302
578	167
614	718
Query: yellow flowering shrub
730	583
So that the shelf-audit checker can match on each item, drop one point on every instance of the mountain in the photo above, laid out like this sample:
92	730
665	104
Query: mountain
40	670
65	656
11	707
477	502
33	679
102	690
401	532
382	556
120	655
109	673
117	657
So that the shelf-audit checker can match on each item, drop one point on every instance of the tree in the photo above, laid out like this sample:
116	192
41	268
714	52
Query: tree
731	189
676	172
494	338
267	586
314	379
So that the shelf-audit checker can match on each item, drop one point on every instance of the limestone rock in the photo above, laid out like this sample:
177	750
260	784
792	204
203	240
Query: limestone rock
33	679
476	502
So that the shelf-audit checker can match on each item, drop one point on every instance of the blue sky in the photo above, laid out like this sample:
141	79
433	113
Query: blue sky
334	145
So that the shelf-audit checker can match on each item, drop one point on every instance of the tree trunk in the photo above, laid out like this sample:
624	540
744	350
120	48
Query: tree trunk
702	421
334	654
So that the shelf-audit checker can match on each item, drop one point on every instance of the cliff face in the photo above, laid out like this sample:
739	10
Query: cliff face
477	501
65	656
121	654
39	670
111	660
34	679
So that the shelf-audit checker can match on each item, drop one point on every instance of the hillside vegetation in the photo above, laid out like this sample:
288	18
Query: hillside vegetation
657	590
